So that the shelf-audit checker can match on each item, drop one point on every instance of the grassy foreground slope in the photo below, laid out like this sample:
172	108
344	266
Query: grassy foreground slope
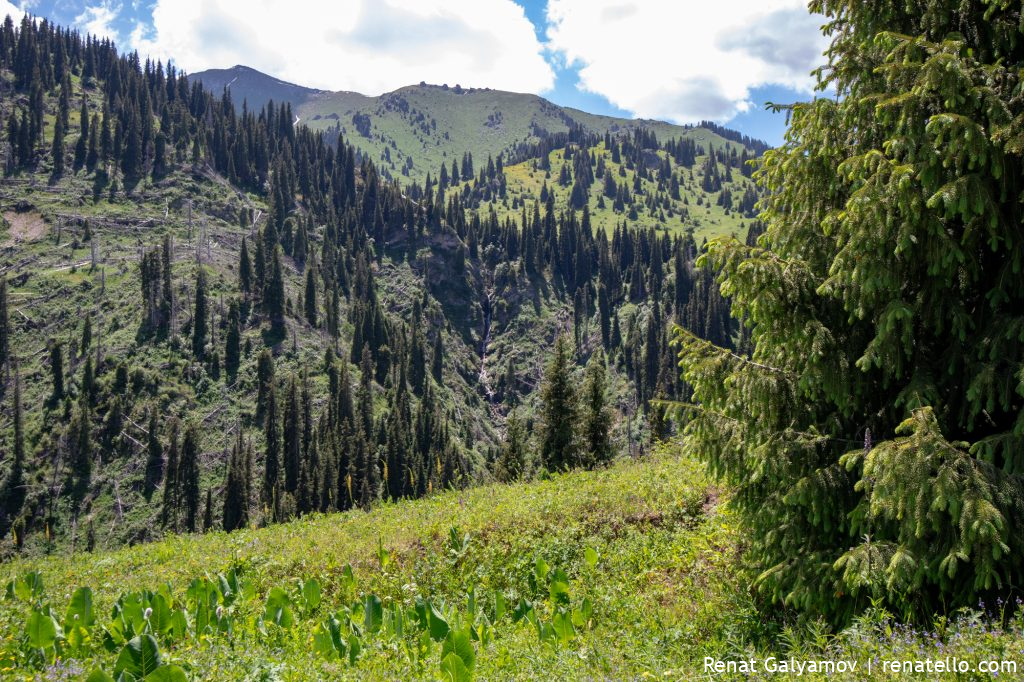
642	558
660	590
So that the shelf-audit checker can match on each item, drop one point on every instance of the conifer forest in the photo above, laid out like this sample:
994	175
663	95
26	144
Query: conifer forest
458	383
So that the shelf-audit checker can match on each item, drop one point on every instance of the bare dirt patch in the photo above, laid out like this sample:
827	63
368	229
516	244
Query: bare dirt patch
25	227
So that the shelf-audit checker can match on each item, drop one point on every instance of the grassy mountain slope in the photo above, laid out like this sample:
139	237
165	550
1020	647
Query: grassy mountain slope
696	210
661	589
413	130
644	555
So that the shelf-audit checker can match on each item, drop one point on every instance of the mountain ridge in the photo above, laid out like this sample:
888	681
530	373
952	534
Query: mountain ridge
412	130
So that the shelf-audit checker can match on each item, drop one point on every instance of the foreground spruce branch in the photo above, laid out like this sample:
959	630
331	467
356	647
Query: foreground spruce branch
874	434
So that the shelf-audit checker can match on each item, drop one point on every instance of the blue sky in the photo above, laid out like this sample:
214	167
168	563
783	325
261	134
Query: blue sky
676	60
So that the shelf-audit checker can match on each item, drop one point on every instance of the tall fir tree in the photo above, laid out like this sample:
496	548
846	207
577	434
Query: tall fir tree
13	488
86	341
245	274
88	384
57	150
437	359
558	442
273	299
235	513
873	437
154	455
208	511
292	437
272	457
166	320
188	477
596	413
201	317
5	327
513	462
169	513
57	370
364	395
233	342
80	446
83	137
310	298
264	382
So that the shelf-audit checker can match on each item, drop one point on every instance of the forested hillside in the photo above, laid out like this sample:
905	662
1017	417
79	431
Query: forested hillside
586	401
215	317
680	185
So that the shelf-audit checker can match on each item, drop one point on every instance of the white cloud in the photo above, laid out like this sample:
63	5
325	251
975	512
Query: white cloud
686	60
370	46
8	8
98	20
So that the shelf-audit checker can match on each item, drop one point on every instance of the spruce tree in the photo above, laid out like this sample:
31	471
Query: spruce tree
513	462
5	328
368	471
417	352
13	489
89	381
616	338
113	425
166	321
333	311
873	437
235	513
682	284
92	156
259	271
80	446
208	511
200	318
273	298
169	514
272	457
596	415
604	313
364	395
652	358
306	494
245	274
310	297
264	382
57	370
57	150
437	359
558	446
159	156
86	342
188	477
232	342
83	136
154	455
306	420
292	437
